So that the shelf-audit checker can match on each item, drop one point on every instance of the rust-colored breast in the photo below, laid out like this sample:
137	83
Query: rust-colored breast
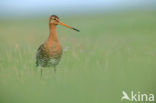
53	48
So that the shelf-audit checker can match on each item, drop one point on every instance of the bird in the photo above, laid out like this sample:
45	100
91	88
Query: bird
50	52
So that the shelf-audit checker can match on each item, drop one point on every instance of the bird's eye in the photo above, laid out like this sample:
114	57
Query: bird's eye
54	19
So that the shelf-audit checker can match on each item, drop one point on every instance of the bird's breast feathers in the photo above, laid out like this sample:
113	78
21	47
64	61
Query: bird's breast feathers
54	50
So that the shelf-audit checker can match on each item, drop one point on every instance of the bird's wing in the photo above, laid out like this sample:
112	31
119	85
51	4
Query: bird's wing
40	47
38	53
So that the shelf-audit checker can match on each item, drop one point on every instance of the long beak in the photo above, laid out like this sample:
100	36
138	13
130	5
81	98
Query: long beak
61	23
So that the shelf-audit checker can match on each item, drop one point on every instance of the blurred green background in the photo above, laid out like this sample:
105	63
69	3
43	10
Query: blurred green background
114	51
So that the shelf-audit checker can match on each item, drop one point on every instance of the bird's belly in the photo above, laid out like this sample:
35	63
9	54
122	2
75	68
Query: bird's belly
53	61
46	62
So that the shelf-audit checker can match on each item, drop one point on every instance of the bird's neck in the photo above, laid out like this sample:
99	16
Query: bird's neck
52	33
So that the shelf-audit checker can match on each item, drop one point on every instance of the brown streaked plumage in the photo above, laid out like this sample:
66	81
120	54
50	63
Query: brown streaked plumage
50	52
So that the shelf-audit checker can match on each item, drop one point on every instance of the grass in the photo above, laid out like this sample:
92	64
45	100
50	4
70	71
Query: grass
113	52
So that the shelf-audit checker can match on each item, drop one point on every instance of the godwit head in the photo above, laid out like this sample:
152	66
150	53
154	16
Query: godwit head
54	20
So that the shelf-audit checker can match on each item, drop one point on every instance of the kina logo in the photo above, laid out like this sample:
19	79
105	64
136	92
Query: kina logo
137	96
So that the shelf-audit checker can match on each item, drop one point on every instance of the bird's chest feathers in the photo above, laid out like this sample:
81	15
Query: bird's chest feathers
52	47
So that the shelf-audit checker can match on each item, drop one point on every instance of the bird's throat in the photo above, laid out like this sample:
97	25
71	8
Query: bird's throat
52	33
52	40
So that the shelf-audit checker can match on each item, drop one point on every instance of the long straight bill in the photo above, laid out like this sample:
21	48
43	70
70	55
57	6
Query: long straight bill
61	23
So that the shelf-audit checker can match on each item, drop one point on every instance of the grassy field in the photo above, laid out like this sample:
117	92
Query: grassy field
113	52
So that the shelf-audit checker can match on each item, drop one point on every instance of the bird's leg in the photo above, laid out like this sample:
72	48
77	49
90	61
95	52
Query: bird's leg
41	72
55	69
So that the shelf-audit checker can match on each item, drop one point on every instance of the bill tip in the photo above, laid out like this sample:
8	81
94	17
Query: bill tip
76	29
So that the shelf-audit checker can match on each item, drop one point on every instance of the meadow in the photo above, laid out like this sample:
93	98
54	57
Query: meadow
111	53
